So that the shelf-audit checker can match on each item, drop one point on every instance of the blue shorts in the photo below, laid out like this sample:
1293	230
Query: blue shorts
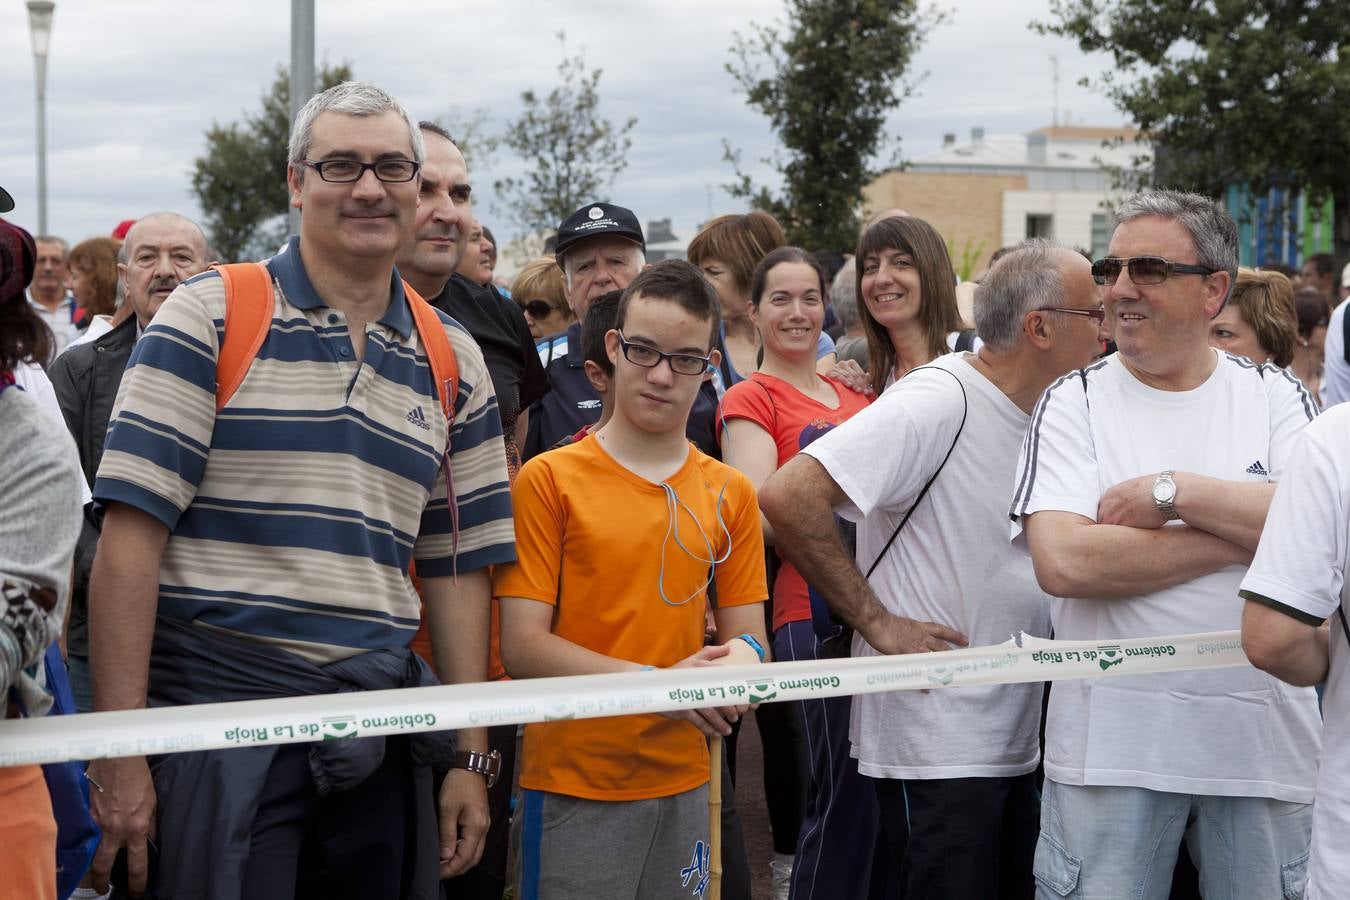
1121	843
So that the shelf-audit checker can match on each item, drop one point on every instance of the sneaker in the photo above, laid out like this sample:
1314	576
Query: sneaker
782	879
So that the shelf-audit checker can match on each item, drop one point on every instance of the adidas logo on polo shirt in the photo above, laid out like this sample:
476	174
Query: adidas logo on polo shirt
417	418
1257	469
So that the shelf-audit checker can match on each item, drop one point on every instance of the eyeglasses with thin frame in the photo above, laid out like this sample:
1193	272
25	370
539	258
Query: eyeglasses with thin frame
1098	315
349	171
650	358
537	309
1144	269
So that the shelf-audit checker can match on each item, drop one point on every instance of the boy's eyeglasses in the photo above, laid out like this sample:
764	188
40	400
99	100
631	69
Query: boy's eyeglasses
650	358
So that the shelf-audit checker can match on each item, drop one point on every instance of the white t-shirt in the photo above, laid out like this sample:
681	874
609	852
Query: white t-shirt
1226	732
952	564
1301	564
1335	370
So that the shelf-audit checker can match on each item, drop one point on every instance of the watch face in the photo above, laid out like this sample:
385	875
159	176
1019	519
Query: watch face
1164	491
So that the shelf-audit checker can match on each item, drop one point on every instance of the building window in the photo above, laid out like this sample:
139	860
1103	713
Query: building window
1040	226
1101	235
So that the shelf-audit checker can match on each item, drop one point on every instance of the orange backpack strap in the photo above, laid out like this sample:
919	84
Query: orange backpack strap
249	302
445	372
444	368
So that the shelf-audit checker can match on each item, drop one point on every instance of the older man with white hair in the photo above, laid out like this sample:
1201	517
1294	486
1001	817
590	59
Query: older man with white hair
600	249
161	251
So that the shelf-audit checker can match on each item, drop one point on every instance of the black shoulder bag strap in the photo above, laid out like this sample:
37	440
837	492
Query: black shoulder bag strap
1345	629
1345	338
965	410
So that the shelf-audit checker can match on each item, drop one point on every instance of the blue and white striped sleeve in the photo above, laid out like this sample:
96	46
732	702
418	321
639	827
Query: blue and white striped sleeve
160	432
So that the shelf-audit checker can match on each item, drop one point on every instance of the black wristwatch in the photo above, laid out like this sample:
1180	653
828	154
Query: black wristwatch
489	764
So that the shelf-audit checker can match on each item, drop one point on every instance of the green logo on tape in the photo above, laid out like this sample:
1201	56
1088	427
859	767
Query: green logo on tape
1109	655
762	691
338	727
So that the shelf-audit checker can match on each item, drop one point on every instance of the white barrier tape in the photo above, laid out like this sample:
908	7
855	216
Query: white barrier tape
253	723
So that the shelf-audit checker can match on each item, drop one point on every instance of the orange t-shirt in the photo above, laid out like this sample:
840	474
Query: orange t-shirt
793	420
589	536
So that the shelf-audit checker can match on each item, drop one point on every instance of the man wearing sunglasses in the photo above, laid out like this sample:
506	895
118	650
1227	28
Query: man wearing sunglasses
1142	493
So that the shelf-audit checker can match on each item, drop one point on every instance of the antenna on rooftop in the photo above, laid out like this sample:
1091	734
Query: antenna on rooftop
1054	65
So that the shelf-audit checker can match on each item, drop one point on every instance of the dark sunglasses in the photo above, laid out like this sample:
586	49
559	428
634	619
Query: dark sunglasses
537	309
1098	315
1144	269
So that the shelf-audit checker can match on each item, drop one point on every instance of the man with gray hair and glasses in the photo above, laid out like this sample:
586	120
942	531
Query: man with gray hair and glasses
258	545
1141	494
954	771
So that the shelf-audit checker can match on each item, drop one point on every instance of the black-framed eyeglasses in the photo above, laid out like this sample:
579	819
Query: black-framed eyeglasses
537	309
1144	269
348	171
1098	315
650	358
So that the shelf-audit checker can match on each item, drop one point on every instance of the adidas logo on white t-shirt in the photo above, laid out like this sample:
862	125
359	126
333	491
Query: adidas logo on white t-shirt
1257	469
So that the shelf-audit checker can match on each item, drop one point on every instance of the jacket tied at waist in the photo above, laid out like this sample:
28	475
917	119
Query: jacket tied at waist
207	800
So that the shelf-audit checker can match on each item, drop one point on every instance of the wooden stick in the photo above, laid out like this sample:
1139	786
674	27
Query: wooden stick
715	819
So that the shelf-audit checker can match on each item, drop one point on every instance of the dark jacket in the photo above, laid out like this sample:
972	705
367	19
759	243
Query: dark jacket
207	800
86	379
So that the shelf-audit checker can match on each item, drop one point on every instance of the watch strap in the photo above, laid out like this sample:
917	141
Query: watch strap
487	764
1167	507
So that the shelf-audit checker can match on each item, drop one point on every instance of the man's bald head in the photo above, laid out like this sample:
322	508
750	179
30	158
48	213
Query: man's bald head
161	250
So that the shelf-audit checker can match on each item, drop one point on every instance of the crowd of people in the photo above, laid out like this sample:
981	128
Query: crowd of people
361	464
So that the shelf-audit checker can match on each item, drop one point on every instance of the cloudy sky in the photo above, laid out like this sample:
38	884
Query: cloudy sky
133	85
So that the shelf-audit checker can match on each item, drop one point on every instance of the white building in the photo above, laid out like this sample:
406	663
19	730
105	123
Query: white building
997	190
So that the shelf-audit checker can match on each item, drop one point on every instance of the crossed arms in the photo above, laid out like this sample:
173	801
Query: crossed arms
1127	552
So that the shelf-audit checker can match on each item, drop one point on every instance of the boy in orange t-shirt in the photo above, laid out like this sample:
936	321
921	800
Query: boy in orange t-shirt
618	538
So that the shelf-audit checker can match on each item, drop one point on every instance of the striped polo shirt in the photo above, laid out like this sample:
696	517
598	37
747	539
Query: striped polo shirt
294	512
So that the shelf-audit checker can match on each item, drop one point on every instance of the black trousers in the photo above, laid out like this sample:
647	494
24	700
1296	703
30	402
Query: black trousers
960	838
355	844
487	880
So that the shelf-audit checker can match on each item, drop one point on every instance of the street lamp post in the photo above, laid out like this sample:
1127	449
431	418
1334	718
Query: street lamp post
302	72
40	25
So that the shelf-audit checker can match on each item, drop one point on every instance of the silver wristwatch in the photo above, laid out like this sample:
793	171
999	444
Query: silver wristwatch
487	764
1165	495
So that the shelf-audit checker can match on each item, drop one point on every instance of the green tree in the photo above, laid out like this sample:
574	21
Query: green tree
1232	91
826	82
240	181
572	153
